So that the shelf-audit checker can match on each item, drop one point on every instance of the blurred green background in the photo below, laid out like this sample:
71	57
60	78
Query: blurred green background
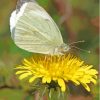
77	20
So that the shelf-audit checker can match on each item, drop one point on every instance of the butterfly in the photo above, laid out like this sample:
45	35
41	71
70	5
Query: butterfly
33	30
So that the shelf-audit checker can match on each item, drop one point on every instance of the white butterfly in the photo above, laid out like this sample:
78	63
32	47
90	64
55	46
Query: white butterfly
32	29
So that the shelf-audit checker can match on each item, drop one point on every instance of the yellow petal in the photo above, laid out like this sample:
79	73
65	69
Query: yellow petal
32	79
24	75
63	89
48	79
93	80
20	72
54	78
62	84
27	62
93	72
76	82
86	87
44	80
89	67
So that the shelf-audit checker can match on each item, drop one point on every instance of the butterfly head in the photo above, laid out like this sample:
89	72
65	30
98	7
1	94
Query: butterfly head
62	49
65	48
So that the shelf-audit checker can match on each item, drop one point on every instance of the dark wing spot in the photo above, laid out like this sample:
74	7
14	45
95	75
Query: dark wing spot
20	3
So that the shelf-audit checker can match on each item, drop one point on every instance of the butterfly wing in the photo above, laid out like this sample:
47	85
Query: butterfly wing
35	31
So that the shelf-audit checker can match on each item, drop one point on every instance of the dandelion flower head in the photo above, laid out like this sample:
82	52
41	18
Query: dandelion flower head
58	69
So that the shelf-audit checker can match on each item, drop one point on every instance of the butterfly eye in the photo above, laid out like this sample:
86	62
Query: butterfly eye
65	48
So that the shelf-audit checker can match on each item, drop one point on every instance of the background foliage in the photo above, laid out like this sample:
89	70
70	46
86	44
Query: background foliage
77	20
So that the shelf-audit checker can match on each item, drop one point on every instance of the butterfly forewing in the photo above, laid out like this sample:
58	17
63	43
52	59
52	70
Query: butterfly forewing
35	31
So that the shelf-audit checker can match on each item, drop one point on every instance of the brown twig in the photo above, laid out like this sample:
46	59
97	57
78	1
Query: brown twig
9	87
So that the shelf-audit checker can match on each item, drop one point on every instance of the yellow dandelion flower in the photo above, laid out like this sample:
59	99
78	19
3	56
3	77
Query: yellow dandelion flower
59	69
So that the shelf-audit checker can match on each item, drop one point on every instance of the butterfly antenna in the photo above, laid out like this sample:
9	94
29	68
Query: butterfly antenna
81	49
77	42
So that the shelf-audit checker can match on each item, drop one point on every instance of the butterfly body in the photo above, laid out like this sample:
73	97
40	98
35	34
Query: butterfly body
62	49
32	29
